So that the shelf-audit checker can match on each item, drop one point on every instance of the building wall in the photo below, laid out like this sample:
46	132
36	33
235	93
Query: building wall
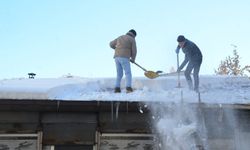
79	125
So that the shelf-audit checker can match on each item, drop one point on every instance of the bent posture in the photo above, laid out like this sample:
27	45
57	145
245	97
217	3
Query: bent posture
193	57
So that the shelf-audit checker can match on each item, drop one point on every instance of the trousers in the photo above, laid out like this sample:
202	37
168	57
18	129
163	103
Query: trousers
123	64
196	67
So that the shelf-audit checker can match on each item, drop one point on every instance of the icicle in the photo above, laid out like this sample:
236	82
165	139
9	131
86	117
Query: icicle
140	110
117	109
58	105
112	111
139	105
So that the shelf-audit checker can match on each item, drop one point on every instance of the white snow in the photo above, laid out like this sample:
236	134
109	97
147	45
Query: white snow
213	89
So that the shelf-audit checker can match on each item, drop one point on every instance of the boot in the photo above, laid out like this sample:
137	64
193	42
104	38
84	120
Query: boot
129	89
117	90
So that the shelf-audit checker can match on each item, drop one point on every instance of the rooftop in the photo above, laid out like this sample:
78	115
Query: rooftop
213	89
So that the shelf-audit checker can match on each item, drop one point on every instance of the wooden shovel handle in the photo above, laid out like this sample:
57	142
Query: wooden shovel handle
139	66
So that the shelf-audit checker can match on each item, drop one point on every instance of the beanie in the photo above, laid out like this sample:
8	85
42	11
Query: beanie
181	38
132	31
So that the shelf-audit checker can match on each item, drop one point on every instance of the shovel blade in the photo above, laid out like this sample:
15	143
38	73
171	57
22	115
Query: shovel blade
151	74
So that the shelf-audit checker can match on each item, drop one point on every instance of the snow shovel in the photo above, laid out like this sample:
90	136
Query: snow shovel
161	74
178	65
149	74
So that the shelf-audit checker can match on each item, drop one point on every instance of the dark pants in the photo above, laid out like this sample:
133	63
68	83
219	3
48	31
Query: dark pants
196	67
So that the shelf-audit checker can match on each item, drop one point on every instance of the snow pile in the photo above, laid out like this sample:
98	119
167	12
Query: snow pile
214	89
225	89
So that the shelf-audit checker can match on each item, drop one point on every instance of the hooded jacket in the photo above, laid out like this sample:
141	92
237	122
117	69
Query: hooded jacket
125	46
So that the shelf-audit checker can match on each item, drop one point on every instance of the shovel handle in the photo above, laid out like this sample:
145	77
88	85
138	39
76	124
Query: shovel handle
139	66
178	65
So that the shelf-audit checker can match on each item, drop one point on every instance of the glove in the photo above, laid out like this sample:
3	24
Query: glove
131	60
159	72
177	50
178	70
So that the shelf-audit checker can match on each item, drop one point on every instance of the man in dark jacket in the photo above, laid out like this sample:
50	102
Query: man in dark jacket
193	57
125	50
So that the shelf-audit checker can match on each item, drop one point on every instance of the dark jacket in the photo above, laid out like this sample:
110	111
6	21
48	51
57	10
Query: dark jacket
192	53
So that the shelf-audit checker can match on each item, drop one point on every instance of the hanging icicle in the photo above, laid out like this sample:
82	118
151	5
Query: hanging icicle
117	104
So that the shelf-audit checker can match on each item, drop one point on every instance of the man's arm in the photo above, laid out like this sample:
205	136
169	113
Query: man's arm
112	44
183	64
133	51
177	50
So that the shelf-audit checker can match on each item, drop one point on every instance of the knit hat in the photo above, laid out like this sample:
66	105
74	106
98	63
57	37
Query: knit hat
132	31
181	38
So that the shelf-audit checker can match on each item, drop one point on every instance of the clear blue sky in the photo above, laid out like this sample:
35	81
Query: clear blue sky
56	37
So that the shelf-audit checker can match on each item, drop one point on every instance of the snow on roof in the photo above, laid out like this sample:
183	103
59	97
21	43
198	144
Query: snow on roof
213	89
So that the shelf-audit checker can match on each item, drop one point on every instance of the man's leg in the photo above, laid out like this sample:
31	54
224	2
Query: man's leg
196	76
126	66
187	75
119	72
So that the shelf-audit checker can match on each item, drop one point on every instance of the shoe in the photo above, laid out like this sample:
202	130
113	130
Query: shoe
129	89
117	90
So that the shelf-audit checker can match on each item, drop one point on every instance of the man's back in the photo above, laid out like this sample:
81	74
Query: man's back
125	46
192	51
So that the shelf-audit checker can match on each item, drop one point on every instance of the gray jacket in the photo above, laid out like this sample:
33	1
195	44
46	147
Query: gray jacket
192	53
125	46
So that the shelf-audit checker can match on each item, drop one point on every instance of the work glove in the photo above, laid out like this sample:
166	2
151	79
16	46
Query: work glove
177	50
131	60
159	72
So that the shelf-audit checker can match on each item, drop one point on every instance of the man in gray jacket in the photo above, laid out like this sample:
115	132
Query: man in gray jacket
193	57
125	51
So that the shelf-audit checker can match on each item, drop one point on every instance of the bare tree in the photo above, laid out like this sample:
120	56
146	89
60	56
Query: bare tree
231	65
